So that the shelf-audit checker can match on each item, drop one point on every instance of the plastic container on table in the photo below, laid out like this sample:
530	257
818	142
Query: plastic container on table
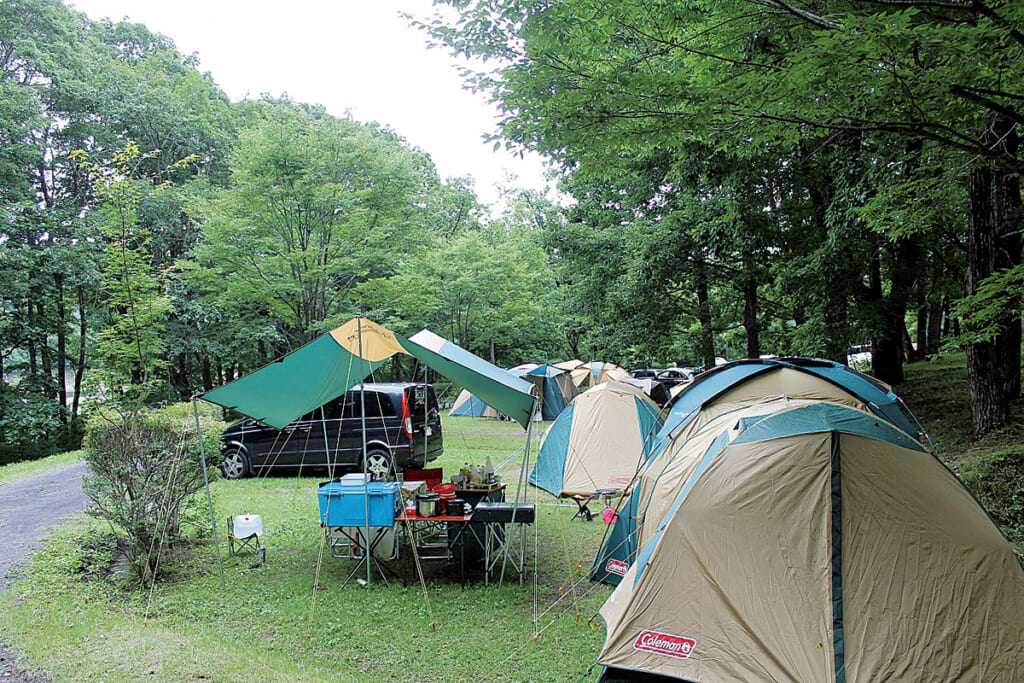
344	504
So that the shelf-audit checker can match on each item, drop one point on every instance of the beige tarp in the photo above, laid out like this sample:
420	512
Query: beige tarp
739	585
568	365
376	343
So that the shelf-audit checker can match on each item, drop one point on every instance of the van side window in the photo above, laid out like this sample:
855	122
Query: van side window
333	409
377	405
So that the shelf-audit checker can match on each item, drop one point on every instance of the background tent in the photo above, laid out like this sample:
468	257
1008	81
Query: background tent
335	362
597	372
655	390
819	543
598	442
554	390
468	405
569	365
717	400
555	387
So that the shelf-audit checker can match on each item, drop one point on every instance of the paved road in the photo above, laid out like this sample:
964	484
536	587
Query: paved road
27	508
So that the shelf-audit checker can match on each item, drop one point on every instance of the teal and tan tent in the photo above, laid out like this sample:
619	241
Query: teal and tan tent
597	372
598	442
468	405
333	363
723	397
554	391
816	542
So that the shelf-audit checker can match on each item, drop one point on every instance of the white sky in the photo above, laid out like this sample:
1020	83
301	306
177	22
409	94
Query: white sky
348	55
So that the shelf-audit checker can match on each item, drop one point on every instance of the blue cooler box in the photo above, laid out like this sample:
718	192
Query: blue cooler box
344	503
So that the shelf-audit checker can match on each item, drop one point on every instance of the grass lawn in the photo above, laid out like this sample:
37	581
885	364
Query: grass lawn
79	619
20	470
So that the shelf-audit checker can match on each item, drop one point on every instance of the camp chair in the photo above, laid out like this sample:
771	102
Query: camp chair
582	502
245	534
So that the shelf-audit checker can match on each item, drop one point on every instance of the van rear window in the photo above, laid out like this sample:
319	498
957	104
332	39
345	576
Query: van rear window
416	394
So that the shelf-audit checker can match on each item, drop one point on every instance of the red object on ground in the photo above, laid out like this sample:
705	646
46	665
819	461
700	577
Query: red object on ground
609	515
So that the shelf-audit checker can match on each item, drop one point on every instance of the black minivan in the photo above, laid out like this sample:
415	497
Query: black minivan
403	426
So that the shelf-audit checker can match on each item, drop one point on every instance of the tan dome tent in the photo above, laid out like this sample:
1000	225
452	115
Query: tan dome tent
468	405
818	543
597	372
730	394
555	388
569	365
598	442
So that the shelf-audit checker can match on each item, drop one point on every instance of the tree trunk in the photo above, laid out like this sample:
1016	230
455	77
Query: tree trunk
80	368
707	337
989	407
204	364
750	308
62	348
933	337
44	349
1009	240
890	340
33	361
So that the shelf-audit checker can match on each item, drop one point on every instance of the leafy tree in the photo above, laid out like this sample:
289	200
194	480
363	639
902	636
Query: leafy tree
316	205
584	81
490	290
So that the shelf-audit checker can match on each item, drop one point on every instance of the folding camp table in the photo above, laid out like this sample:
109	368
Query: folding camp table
350	543
437	538
497	540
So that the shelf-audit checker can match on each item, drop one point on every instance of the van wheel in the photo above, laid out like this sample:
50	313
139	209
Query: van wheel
235	465
378	465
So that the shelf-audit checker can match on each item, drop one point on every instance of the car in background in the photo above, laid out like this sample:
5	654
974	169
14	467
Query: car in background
671	377
403	429
644	373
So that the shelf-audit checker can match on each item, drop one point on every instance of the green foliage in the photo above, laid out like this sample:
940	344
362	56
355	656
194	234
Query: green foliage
146	468
74	618
984	311
998	481
316	206
30	421
487	289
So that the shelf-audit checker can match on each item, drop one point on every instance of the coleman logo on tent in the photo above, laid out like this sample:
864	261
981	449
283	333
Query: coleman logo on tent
614	566
664	644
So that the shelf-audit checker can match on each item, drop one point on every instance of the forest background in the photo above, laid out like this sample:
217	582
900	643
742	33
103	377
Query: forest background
743	179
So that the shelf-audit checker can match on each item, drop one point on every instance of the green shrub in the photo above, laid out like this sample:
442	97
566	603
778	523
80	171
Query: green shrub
145	471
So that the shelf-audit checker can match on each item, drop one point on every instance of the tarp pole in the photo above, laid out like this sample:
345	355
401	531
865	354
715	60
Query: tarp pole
209	498
327	446
426	416
366	477
520	490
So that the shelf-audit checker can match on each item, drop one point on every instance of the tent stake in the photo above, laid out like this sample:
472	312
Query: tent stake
209	499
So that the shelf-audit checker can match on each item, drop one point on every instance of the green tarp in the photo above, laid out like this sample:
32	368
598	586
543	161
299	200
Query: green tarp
327	367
